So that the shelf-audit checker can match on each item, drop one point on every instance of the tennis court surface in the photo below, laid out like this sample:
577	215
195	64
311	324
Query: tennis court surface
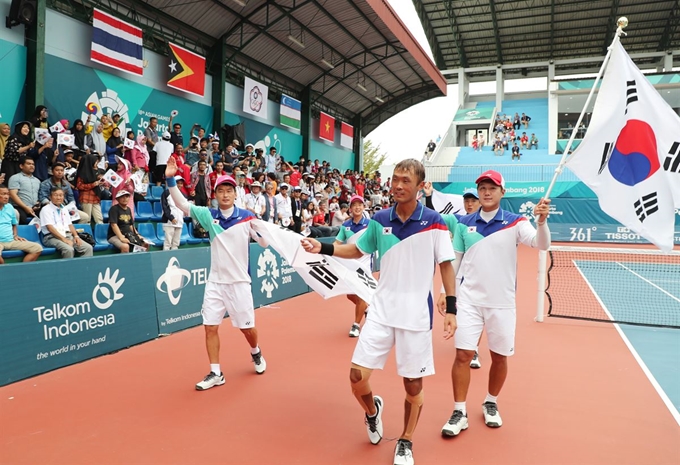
575	395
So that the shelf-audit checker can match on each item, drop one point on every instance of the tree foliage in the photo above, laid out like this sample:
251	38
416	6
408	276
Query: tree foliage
373	158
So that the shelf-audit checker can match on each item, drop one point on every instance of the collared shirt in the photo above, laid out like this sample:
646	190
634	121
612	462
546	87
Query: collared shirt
256	202
55	216
229	243
488	271
28	187
409	252
7	219
151	135
271	161
350	232
284	206
46	188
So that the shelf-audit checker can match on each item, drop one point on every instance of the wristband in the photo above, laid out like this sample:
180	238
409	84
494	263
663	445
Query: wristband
327	249
171	182
451	305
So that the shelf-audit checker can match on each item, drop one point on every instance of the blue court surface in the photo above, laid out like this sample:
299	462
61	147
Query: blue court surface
650	293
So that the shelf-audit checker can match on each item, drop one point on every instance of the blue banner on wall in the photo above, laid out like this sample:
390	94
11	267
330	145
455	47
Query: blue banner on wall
179	278
86	307
273	278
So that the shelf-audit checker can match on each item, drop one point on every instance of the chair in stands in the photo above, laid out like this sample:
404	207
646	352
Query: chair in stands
30	233
100	233
161	235
157	211
191	233
106	206
86	228
156	192
189	238
147	230
144	211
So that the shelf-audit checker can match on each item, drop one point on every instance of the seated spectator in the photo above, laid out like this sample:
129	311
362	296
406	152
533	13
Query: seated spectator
163	150
515	151
114	149
23	191
480	141
308	219
57	229
334	205
140	157
5	132
533	142
173	219
516	121
95	141
122	233
107	128
57	180
524	141
191	152
475	143
498	146
320	227
505	141
525	120
39	119
202	157
340	216
9	237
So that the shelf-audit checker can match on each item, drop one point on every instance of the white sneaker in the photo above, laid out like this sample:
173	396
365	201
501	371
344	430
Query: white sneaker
374	424
491	416
403	453
457	423
354	332
260	364
211	380
475	363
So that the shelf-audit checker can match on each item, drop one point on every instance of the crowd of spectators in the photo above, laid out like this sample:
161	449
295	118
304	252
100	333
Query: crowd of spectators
69	182
507	137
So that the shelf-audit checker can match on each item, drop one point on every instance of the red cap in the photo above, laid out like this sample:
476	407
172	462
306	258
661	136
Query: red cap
225	179
493	176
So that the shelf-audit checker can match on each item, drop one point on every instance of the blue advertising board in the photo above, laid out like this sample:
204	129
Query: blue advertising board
273	278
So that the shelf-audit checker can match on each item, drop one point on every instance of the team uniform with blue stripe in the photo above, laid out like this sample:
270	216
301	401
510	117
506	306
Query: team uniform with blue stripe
349	233
228	287
487	278
402	307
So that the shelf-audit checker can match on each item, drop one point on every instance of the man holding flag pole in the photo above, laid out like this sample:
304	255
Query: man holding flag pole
630	156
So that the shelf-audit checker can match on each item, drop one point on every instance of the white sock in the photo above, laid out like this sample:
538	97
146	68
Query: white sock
215	368
254	350
490	398
460	406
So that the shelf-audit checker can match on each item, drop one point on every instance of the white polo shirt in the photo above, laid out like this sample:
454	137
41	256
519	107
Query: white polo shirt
58	217
229	243
256	202
488	271
409	253
283	206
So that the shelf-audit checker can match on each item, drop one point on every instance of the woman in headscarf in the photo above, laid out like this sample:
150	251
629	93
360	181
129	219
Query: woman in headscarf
5	132
18	145
80	131
96	141
127	152
87	182
140	159
39	119
114	148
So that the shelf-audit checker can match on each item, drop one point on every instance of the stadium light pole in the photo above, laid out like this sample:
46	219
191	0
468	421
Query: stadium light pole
621	23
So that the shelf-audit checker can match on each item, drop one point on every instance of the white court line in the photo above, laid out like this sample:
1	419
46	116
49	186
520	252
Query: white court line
659	390
648	282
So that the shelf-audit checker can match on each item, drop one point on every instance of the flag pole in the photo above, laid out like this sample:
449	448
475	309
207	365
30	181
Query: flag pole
621	23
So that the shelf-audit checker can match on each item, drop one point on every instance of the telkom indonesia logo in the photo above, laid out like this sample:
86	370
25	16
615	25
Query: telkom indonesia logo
527	210
105	293
173	281
268	270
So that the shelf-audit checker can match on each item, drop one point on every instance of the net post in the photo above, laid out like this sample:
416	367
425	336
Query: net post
542	271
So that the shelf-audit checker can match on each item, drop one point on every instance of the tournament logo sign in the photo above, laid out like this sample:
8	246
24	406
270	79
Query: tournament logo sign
634	158
268	270
256	99
106	103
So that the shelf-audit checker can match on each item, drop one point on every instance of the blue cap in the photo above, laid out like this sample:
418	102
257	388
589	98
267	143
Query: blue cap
470	192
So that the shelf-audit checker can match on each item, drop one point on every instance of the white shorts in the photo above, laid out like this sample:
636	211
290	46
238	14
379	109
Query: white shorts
500	328
413	349
235	299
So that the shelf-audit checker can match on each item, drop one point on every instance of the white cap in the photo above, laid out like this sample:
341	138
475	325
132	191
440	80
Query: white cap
255	184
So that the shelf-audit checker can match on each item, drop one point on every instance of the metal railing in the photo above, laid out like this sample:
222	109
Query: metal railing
511	173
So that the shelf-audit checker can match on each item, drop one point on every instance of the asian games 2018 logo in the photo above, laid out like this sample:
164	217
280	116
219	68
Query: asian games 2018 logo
256	99
634	158
108	103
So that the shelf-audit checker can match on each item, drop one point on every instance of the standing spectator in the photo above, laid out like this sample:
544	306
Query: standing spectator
172	219
114	148
163	151
57	229
122	233
219	171
151	133
255	201
525	120
296	208
270	213
308	213
88	185
475	143
431	146
9	237
24	189
140	157
95	140
515	151
202	157
176	136
18	145
200	181
5	132
533	142
340	216
44	156
480	141
39	119
80	131
272	160
284	206
192	151
107	127
240	188
57	180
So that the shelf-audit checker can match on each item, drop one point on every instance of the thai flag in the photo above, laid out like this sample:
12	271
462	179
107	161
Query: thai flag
116	44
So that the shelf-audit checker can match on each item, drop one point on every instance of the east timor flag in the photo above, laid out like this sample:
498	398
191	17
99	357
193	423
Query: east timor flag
187	71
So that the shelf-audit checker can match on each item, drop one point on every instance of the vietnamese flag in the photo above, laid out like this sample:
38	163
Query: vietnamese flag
326	127
187	71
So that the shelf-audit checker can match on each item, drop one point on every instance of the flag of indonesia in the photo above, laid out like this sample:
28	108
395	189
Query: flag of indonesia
347	136
116	44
